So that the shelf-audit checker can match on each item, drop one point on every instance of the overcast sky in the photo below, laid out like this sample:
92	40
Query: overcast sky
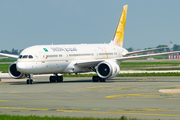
25	23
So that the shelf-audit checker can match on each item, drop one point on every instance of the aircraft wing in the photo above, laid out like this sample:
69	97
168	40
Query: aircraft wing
145	56
88	63
91	63
135	52
9	55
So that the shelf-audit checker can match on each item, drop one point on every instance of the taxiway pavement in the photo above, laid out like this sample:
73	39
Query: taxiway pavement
79	97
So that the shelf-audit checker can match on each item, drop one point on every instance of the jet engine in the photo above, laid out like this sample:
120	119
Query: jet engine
14	73
107	69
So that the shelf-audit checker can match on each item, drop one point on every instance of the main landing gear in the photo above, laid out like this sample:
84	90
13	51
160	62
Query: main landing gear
29	80
56	78
98	79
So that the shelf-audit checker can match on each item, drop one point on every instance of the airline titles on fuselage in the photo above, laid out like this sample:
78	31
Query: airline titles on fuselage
59	49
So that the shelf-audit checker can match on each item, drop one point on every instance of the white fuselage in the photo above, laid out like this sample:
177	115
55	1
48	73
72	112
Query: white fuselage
43	59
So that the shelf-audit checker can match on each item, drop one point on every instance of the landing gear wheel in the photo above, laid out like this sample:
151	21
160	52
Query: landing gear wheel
29	80
56	79
59	79
98	79
95	78
102	80
52	79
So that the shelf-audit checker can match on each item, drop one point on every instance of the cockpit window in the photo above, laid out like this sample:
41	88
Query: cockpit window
25	56
30	56
20	56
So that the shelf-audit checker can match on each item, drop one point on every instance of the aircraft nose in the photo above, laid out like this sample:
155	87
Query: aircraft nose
21	66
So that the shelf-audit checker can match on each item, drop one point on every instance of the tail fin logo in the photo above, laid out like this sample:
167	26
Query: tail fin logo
119	34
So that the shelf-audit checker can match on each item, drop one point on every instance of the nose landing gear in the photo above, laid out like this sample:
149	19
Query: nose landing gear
29	80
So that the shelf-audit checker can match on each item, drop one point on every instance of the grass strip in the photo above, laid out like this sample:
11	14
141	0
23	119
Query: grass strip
150	63
7	59
127	74
161	69
4	68
18	117
148	74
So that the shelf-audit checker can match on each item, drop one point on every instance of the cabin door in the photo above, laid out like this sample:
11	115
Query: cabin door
42	57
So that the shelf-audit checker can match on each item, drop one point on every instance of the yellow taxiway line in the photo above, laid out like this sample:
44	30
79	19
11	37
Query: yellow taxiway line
104	112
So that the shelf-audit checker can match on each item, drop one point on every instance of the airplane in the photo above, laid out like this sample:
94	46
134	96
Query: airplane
104	59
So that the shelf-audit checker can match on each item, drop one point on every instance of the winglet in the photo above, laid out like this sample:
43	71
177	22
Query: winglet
119	34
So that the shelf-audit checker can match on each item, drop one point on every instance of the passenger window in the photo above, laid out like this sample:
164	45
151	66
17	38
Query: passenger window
20	56
25	56
30	56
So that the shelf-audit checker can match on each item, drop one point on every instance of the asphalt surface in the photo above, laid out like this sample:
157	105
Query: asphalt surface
137	97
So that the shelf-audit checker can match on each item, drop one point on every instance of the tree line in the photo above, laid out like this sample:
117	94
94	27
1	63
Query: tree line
13	51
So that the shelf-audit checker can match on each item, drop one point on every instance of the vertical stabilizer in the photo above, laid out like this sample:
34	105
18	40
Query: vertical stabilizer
119	33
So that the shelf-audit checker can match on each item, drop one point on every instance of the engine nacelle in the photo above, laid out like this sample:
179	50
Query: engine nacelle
14	73
107	69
